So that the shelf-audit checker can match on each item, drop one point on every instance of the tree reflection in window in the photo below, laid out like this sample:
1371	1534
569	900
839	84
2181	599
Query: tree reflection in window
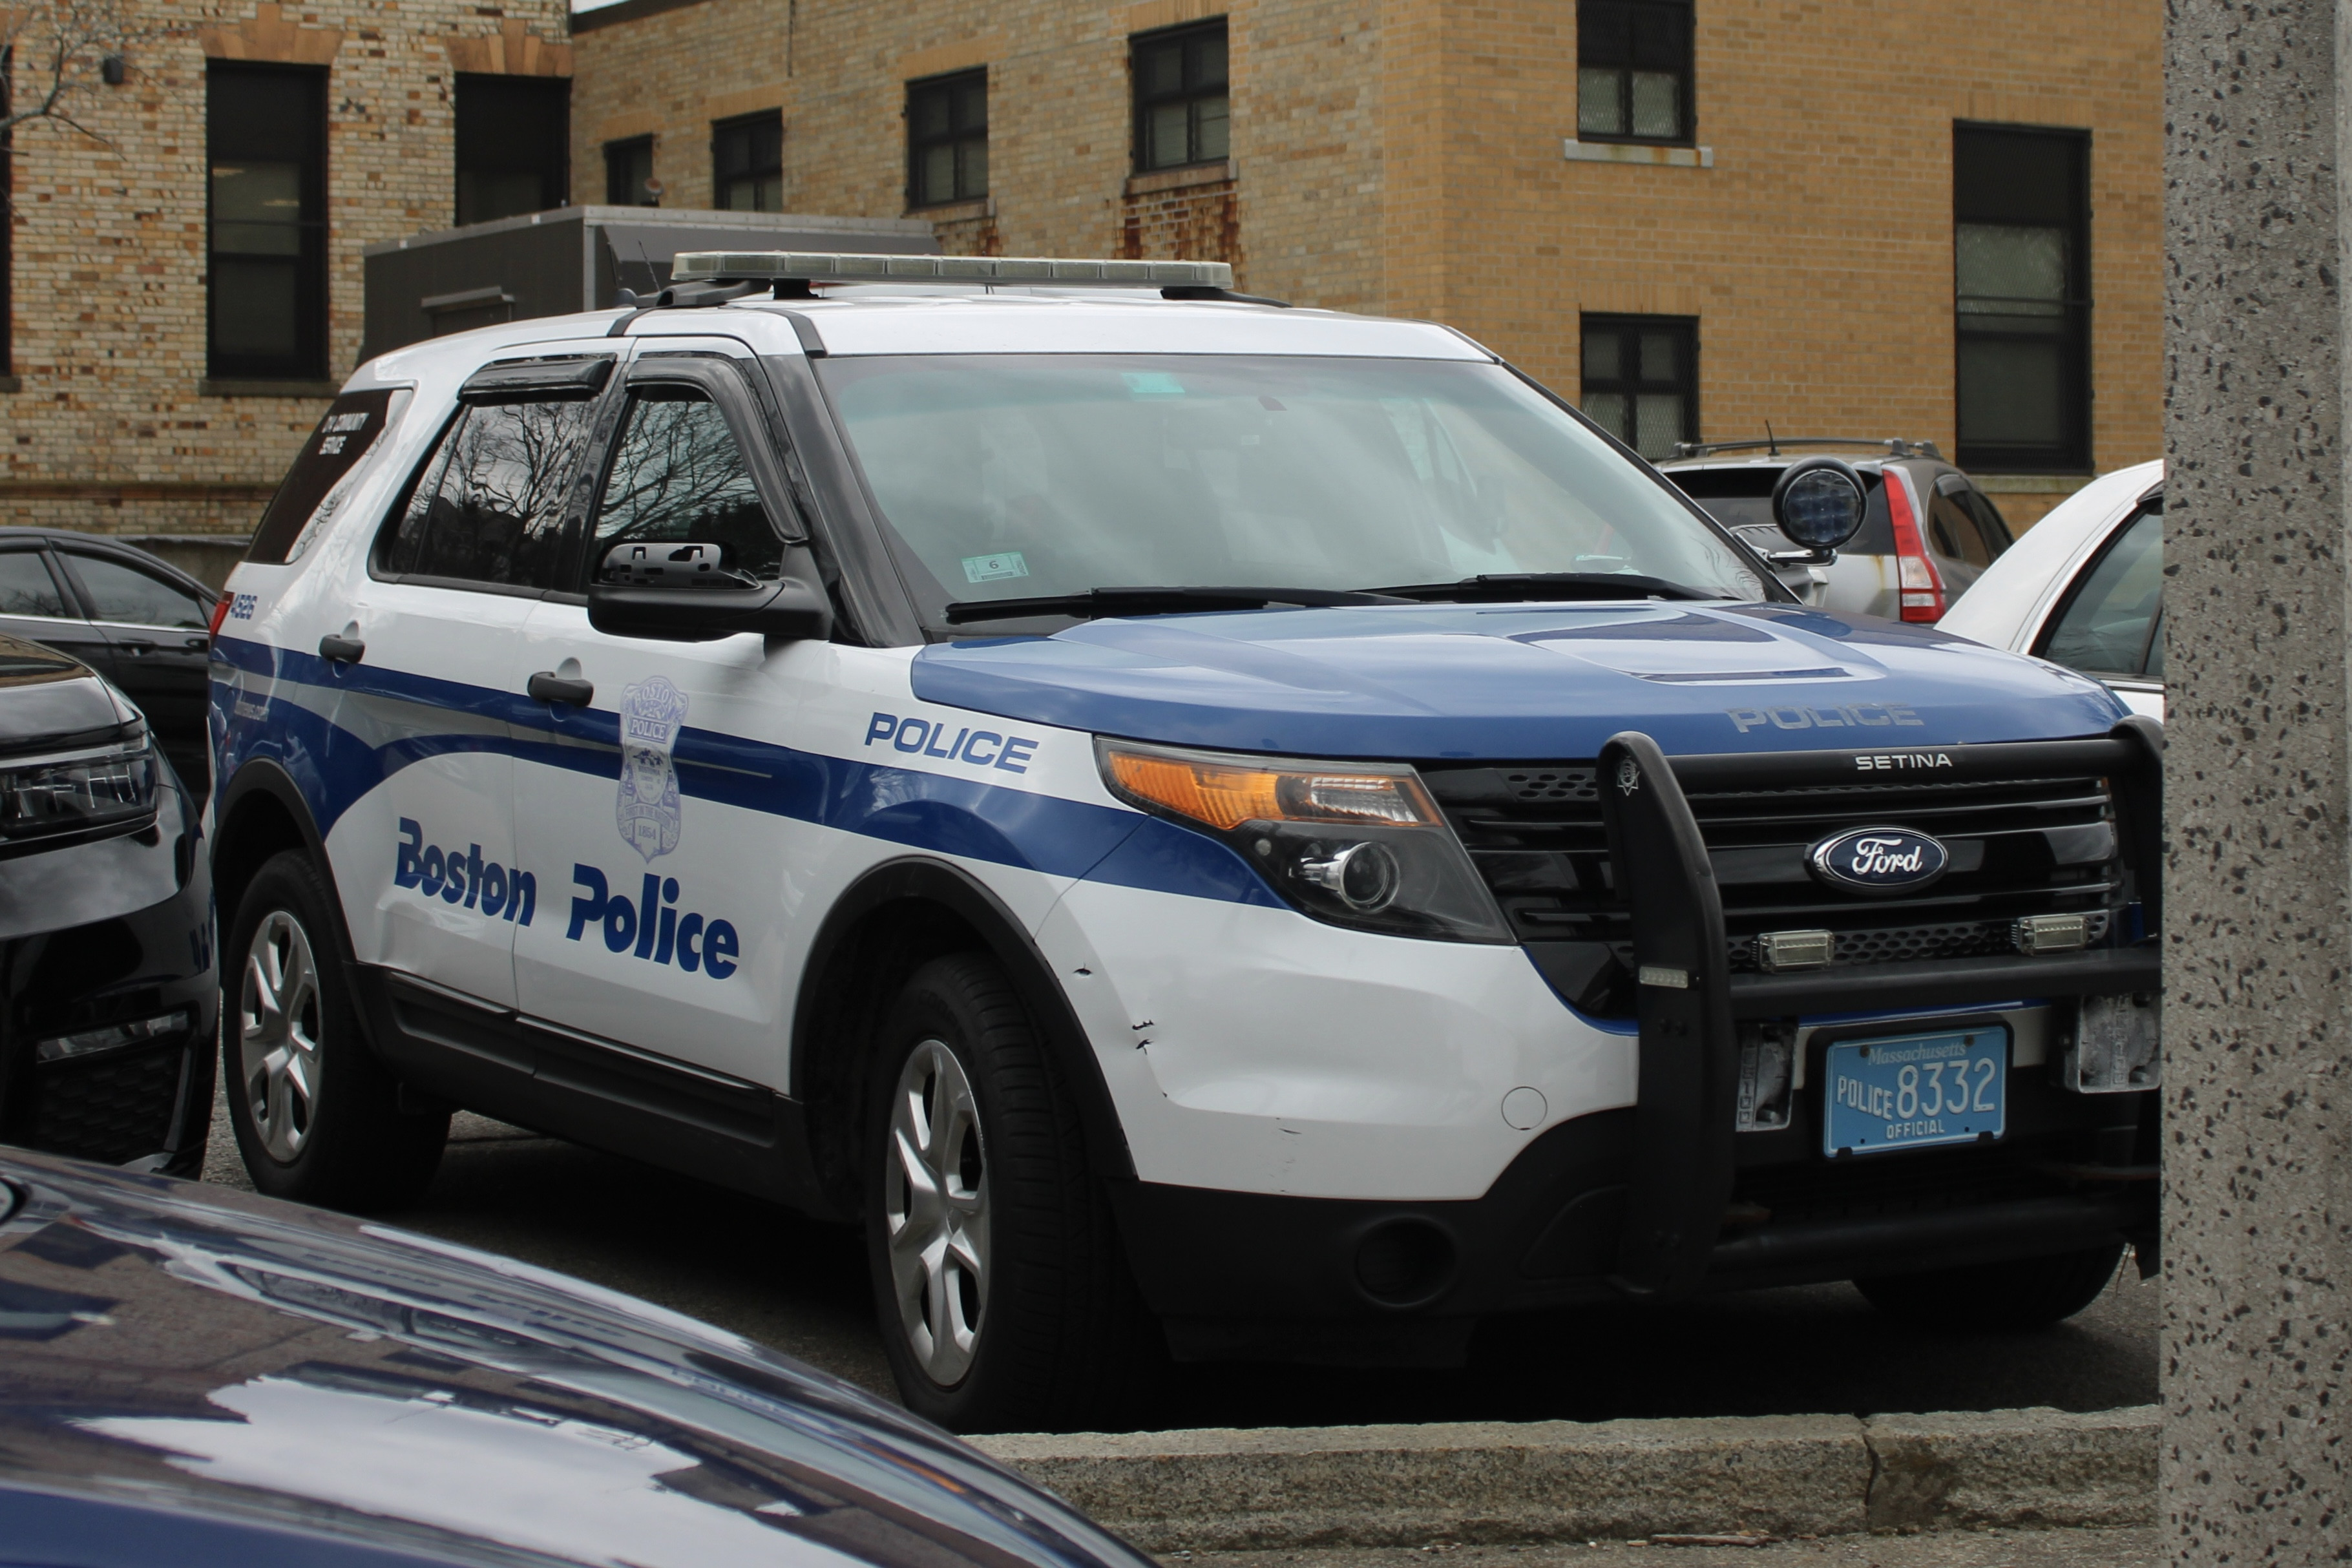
678	474
490	509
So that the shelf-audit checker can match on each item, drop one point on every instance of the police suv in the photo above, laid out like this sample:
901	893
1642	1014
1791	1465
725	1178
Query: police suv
1208	829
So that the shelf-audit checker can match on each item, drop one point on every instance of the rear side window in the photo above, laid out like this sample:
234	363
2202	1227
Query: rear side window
1953	532
353	425
2109	624
488	508
678	474
121	593
26	587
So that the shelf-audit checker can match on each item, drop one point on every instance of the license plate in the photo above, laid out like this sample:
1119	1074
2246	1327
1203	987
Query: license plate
1916	1091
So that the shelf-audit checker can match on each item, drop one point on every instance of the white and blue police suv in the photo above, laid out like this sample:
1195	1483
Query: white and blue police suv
1209	830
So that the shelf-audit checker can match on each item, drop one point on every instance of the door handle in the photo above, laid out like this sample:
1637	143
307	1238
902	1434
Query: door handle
341	650
136	645
547	686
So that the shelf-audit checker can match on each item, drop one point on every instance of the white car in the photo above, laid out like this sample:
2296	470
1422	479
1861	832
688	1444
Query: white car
2085	588
1208	829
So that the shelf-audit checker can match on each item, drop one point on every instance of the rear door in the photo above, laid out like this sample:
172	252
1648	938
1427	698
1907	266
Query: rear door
427	856
159	654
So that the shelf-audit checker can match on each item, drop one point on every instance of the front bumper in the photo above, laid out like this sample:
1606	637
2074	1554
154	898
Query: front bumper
146	1103
1666	1198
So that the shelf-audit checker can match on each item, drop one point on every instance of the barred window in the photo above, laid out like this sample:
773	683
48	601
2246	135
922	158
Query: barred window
1640	379
946	138
1180	108
1633	70
747	164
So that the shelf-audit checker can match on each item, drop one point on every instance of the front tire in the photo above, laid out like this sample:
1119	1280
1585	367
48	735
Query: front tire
317	1116
1005	1304
2022	1293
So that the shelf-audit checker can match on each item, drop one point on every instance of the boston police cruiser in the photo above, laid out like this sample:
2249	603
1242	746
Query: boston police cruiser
1209	830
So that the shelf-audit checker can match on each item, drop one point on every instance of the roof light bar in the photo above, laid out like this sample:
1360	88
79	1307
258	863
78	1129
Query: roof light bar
827	267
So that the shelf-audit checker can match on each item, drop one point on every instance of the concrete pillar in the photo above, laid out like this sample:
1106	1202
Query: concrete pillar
2257	1323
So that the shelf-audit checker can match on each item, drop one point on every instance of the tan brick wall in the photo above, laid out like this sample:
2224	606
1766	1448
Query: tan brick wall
110	429
1404	157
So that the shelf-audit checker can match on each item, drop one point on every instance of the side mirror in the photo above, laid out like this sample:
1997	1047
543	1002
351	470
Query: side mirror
1819	504
686	594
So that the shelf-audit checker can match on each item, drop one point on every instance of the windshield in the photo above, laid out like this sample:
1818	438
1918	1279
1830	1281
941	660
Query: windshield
1019	476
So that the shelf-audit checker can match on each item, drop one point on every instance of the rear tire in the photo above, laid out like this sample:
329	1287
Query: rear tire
1005	1302
2023	1293
318	1117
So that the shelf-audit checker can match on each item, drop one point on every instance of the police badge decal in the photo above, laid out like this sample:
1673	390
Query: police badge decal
652	713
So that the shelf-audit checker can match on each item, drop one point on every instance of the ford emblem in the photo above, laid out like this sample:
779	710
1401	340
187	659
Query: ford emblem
1878	859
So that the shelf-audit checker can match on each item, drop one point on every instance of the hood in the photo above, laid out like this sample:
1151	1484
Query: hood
228	1358
1428	682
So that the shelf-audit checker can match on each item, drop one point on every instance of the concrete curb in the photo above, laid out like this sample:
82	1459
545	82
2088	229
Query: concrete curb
1286	1488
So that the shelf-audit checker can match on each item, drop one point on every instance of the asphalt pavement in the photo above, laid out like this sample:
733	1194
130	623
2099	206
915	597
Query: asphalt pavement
800	1287
1942	1549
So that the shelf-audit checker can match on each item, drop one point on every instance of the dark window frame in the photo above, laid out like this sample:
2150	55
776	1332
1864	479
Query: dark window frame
958	137
1624	36
1188	92
554	170
629	146
1629	329
308	360
7	223
722	182
2070	452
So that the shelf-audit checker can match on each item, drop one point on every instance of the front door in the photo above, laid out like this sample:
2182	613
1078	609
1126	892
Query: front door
665	885
427	860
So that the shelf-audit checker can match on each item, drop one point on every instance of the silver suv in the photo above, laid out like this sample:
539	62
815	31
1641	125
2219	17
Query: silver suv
1923	541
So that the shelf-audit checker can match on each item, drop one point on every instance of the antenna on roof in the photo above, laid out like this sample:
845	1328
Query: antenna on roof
1771	442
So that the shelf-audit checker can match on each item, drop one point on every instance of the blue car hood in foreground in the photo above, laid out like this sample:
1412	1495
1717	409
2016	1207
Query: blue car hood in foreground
195	1377
1517	681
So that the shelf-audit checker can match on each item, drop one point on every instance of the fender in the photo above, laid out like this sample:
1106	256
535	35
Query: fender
265	776
920	878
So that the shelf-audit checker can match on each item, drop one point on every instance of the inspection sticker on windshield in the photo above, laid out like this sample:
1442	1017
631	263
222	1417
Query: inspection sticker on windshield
1914	1090
1151	383
994	567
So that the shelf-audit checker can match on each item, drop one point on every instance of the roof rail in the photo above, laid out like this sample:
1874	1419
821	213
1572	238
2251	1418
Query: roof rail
1895	445
828	266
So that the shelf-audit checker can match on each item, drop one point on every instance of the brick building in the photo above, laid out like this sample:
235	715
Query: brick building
186	293
1697	216
1937	220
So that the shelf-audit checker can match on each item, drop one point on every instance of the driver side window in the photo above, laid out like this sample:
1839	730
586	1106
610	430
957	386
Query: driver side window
678	475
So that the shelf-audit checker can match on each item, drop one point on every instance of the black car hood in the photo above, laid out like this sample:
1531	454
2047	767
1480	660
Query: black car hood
168	1345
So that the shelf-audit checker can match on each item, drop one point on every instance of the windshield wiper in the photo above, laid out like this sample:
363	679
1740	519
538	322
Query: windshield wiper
1503	586
1100	601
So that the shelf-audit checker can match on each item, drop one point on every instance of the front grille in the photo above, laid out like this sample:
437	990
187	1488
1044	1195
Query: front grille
112	1109
2018	847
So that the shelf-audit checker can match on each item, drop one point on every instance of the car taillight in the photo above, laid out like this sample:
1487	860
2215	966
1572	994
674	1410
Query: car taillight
1917	583
220	613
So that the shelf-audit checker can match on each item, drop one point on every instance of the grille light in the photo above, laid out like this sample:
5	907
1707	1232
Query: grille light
830	267
1780	951
2051	933
113	1037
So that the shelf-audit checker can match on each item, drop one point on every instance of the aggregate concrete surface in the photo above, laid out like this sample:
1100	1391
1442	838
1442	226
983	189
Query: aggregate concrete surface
1943	1549
801	1287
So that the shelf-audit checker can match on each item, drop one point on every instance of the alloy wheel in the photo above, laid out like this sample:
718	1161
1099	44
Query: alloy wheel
936	1210
277	1035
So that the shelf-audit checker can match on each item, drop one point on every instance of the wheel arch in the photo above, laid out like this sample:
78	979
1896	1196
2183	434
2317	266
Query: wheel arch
897	917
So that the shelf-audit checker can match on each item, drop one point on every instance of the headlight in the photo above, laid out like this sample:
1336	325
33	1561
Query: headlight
1354	843
74	791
